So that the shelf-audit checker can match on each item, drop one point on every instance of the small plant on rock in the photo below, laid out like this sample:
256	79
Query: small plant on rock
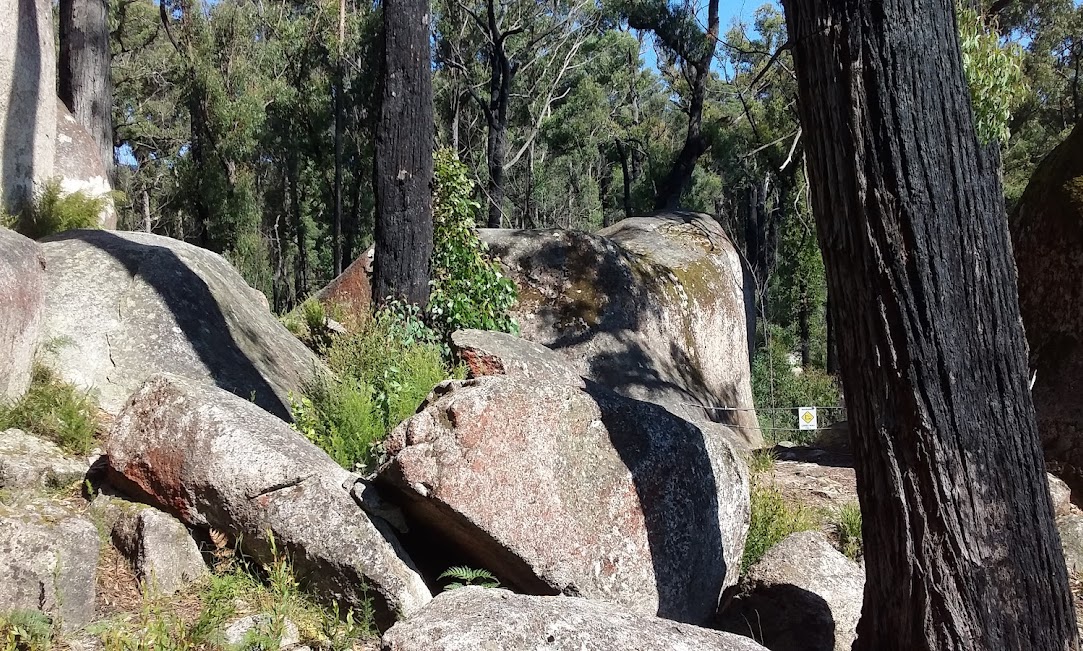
51	211
772	519
847	526
25	630
463	576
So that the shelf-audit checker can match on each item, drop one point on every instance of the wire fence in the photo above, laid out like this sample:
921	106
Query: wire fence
781	419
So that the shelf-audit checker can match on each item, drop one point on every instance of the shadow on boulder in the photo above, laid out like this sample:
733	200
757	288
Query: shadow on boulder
783	617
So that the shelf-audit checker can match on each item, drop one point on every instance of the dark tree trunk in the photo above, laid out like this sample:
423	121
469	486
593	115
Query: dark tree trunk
695	144
497	153
625	172
300	275
405	133
961	552
803	334
832	362
84	82
340	119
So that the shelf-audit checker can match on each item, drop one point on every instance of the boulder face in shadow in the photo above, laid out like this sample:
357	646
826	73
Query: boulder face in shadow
78	166
565	489
651	307
122	306
1047	237
803	595
27	99
22	297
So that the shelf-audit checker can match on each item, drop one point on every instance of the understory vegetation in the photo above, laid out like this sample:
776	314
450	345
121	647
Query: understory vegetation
52	211
55	411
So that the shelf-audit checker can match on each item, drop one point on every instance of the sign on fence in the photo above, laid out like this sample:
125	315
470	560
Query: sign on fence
806	418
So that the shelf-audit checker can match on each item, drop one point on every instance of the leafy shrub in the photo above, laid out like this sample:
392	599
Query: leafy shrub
54	410
778	391
463	576
382	374
468	288
847	526
25	630
772	520
994	72
52	212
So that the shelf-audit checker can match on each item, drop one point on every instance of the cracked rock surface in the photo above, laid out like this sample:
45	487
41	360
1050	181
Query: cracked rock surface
122	306
216	460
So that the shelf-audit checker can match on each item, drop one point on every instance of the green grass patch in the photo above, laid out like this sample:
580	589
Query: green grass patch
382	374
237	590
847	526
772	520
53	410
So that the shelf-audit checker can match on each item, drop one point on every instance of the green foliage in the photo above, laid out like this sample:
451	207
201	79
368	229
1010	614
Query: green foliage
238	589
772	520
778	390
463	576
847	526
468	289
382	374
51	211
761	461
994	72
54	410
25	630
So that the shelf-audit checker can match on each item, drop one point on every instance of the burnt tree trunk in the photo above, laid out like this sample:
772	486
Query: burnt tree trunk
84	82
961	551
405	134
622	151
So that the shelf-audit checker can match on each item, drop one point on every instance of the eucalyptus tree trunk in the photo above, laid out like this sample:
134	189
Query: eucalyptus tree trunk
961	552
84	82
405	134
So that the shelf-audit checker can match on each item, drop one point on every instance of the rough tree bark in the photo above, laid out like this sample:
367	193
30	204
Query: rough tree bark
1047	231
405	133
84	82
960	546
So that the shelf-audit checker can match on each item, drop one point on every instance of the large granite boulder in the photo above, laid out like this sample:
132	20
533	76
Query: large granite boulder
78	166
126	305
480	619
575	490
29	462
651	307
27	99
217	461
1047	237
22	297
803	595
351	291
48	560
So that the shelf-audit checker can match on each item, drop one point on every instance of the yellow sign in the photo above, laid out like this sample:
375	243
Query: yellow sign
806	417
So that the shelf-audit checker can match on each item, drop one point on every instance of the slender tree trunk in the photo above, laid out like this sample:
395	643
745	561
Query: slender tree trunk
497	155
405	133
336	235
84	82
147	222
300	275
961	552
625	172
803	334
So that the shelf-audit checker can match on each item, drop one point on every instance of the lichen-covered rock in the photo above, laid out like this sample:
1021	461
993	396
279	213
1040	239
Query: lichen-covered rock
29	462
78	166
22	296
480	619
651	307
48	559
803	595
1047	237
351	291
1071	539
27	99
575	490
127	305
163	553
495	353
218	461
